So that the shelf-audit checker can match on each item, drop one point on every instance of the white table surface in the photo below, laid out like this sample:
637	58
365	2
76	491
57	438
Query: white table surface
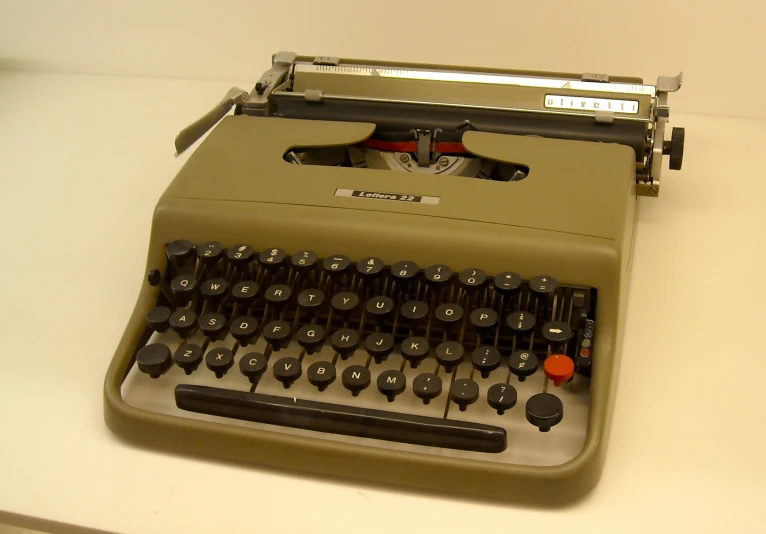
83	160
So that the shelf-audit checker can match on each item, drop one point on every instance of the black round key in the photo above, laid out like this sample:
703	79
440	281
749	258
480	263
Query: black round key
472	279
336	265
344	304
523	363
370	268
356	378
391	383
253	365
287	370
183	322
321	374
245	292
212	325
183	287
179	251
543	285
380	307
304	260
507	283
438	275
544	410
154	359
243	329
449	354
240	255
449	314
277	333
404	271
345	341
154	277
464	392
520	322
310	301
427	387
483	319
501	397
158	319
272	258
210	252
379	345
219	360
414	311
188	357
414	350
278	295
214	289
556	332
310	337
485	359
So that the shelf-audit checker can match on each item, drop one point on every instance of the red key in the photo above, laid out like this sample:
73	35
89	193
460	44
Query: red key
559	368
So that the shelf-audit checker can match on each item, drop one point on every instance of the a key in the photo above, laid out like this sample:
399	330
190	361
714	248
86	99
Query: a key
427	387
272	258
557	333
501	397
523	363
559	368
507	283
277	334
188	357
544	410
183	322
219	360
543	285
336	265
240	255
356	378
212	325
183	287
472	279
287	370
179	251
414	350
449	354
379	345
370	268
391	383
154	359
210	252
404	273
485	359
278	296
214	289
464	392
345	341
483	319
253	365
244	292
310	337
449	315
321	374
158	318
380	308
344	304
310	301
438	276
243	329
414	312
304	261
520	322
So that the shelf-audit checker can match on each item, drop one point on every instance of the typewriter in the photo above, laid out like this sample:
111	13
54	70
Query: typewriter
398	273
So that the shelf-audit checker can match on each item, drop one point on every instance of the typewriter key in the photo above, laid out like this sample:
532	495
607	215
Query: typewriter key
183	287
483	319
188	357
523	363
336	265
214	289
449	354
158	319
210	252
345	341
464	392
272	258
501	397
558	368
243	329
253	365
321	374
310	301
287	370
556	332
154	359
277	296
507	283
391	383
370	268
356	378
414	311
310	337
379	308
427	387
520	322
544	410
472	279
438	275
449	314
183	322
344	304
212	325
219	360
414	350
379	345
304	261
277	334
240	255
543	285
179	251
485	359
404	272
244	292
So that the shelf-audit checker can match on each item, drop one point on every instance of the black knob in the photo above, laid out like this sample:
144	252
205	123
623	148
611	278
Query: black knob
253	365
449	315
391	383
379	308
240	255
427	386
485	359
449	354
370	268
277	334
219	360
188	357
345	341
243	329
210	252
277	296
214	289
183	288
158	319
464	392
154	359
472	279
520	322
414	311
404	273
304	261
310	301
212	325
310	337
179	251
507	283
543	285
414	350
336	265
438	276
321	374
523	363
154	277
675	148
379	345
287	370
183	322
272	258
356	378
244	292
501	397
344	304
483	319
544	410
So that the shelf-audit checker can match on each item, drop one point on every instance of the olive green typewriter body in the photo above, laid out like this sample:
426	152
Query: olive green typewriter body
300	309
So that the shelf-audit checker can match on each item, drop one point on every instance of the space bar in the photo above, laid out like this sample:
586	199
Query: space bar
338	419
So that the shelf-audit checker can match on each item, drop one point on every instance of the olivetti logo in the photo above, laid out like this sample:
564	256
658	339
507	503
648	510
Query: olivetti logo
382	195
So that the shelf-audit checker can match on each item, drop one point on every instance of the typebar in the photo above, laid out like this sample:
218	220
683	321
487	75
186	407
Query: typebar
347	420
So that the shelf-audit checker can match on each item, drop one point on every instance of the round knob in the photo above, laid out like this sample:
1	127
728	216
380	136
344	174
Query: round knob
675	148
188	357
464	392
253	365
158	319
321	374
154	359
544	410
356	378
427	386
501	397
391	383
559	368
287	370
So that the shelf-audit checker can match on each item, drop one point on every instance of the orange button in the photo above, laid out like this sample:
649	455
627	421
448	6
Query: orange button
584	353
559	368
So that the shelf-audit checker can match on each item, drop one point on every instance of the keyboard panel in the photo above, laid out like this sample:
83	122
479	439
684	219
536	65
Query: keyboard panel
541	298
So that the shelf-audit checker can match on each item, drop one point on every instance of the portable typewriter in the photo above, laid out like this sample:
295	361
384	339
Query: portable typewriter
401	273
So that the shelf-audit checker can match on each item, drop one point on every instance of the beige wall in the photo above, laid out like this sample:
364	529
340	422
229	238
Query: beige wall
718	44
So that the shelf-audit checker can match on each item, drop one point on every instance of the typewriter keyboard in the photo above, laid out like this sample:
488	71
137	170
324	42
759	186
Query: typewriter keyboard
404	356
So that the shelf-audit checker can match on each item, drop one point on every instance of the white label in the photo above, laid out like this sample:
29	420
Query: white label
583	103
